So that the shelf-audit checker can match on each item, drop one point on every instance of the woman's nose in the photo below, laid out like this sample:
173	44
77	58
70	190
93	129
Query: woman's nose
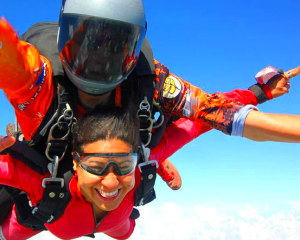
110	180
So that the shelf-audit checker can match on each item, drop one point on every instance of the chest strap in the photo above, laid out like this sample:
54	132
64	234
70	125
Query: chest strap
55	199
145	192
29	156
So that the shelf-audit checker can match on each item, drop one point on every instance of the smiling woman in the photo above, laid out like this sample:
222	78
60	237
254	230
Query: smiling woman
105	157
105	152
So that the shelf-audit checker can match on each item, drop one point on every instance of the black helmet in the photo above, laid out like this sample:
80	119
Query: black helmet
99	41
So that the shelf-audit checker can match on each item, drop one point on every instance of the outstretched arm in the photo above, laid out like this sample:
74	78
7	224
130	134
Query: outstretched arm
261	126
25	78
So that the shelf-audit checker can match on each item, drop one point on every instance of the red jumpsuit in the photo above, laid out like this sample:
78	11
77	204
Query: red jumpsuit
77	219
26	78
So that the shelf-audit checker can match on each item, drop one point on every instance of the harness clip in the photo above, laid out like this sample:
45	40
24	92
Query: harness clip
53	171
149	162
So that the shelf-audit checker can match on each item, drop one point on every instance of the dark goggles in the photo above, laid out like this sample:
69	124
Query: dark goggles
99	163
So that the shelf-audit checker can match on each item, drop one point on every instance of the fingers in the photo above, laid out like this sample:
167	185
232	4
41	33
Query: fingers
285	88
10	129
292	73
9	140
287	85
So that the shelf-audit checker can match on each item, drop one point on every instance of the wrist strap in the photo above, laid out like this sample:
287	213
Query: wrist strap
259	93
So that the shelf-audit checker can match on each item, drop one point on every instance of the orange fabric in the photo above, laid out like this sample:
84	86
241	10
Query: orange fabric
26	85
182	99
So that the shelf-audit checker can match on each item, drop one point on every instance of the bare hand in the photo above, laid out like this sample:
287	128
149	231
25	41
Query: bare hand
279	85
7	141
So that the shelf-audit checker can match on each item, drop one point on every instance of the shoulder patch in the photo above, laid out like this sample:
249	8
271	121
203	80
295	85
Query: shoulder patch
172	87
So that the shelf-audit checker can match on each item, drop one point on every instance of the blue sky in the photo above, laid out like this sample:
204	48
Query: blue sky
218	46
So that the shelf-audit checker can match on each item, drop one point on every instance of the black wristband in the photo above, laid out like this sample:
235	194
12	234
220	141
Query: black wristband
258	92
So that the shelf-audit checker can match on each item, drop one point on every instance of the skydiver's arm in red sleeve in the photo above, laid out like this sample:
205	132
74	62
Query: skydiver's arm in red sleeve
123	230
8	171
26	79
10	229
16	174
242	96
183	130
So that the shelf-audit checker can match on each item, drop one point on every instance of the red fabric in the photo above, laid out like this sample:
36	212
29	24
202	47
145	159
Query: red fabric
182	131
267	91
77	219
180	98
20	68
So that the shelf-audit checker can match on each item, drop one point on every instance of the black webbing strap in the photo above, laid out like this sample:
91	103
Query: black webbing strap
145	192
28	155
49	209
6	203
258	92
157	135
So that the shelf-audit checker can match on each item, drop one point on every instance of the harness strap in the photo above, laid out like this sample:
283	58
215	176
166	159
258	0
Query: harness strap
6	203
259	92
28	155
49	209
57	142
145	192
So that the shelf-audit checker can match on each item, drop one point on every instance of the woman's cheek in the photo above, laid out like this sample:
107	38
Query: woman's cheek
129	181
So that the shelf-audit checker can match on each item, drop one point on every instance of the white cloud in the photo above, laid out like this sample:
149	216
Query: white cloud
172	221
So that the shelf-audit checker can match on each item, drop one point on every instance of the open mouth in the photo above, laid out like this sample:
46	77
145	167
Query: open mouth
108	196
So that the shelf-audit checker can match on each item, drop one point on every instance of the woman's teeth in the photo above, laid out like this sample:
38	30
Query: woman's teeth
108	194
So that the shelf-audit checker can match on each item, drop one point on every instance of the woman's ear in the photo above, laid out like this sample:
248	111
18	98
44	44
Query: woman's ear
75	165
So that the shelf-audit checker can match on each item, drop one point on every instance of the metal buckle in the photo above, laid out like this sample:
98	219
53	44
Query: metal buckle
152	162
65	119
53	167
47	152
144	115
145	154
148	137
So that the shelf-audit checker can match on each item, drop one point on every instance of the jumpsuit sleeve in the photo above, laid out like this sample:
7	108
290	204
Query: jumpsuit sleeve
123	230
8	174
180	98
183	130
16	174
25	78
243	96
10	229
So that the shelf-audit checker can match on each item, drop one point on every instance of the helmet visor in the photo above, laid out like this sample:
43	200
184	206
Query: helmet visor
98	52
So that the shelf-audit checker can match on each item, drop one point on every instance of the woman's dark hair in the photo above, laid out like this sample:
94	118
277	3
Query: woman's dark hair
107	123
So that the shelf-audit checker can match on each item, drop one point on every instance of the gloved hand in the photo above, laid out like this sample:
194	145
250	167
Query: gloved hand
20	63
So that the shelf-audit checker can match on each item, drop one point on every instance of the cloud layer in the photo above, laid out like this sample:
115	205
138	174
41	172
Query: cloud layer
172	221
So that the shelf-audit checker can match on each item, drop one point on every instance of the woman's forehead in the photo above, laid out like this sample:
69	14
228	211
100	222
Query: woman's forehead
107	146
